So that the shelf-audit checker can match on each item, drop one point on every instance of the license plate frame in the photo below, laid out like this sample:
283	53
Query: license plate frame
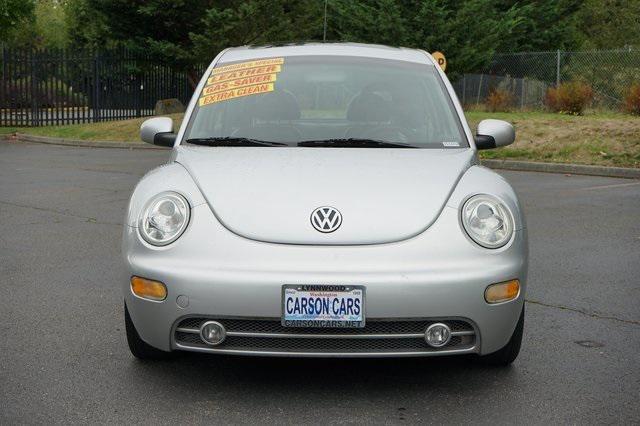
323	322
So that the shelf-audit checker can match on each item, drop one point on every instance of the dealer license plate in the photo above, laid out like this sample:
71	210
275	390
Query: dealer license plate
323	306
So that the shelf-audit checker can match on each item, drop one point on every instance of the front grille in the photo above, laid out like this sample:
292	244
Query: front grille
377	337
371	326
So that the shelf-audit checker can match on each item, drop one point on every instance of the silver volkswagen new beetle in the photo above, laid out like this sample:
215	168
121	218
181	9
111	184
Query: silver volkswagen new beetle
325	200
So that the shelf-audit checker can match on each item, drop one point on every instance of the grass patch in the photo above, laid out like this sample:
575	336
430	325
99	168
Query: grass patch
608	139
8	130
120	131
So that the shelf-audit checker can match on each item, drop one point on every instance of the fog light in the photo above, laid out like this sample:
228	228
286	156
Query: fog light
148	289
437	335
213	333
502	292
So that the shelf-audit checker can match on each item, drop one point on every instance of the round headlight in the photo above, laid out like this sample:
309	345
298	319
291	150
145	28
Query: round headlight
164	219
487	221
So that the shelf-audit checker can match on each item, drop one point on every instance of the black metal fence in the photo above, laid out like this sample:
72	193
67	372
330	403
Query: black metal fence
45	87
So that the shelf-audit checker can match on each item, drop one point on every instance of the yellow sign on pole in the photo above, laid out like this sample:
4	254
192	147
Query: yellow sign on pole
440	59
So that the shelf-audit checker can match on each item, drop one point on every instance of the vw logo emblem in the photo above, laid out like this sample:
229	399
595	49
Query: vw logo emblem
326	219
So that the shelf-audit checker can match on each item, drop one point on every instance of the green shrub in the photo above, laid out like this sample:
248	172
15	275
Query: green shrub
50	92
569	98
632	101
499	100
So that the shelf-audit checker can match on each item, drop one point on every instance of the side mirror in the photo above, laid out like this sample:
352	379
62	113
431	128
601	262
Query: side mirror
494	134
158	131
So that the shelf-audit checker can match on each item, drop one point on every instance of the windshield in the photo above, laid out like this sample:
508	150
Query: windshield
325	101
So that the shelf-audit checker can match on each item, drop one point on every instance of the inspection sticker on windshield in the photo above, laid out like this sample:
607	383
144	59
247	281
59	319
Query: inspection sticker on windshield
323	306
235	93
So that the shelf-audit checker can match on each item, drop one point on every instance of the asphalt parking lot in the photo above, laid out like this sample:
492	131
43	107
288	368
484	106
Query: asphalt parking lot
64	359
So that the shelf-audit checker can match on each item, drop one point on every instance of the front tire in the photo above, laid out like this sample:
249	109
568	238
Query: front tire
505	356
138	347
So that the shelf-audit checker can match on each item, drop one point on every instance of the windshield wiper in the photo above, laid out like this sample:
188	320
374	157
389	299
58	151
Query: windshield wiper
354	143
232	141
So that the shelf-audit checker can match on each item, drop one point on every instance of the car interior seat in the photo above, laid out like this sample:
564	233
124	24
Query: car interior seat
367	110
271	117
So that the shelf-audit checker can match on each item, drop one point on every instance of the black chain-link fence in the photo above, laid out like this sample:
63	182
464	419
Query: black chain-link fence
528	75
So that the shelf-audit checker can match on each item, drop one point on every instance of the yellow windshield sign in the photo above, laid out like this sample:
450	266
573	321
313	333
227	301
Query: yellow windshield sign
235	93
239	82
268	69
240	79
244	65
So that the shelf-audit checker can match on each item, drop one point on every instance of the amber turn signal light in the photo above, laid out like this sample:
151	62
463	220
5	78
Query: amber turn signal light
502	292
148	289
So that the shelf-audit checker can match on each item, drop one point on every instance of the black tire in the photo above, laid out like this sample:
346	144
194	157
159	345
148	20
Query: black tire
505	356
138	347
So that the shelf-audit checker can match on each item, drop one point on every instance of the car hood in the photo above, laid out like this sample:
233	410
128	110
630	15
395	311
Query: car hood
268	194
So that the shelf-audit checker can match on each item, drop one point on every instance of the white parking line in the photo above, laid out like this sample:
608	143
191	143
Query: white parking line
617	185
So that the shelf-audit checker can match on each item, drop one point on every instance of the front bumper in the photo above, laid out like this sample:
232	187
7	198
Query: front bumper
381	338
437	275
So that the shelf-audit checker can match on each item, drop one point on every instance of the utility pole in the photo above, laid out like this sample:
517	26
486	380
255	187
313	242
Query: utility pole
324	34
